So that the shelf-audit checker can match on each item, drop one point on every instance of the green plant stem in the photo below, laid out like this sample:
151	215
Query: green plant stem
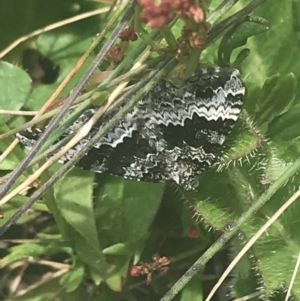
188	253
220	29
224	238
169	37
192	62
115	79
221	10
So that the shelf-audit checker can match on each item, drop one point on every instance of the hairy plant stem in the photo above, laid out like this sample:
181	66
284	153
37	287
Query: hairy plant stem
225	237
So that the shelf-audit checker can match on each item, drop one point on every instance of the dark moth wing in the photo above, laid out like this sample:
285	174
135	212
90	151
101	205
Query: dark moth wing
173	133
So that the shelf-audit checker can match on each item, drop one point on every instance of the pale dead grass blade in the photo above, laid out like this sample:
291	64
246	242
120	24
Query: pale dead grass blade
51	27
288	293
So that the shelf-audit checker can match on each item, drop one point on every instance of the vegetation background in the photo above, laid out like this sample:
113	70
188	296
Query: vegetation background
101	237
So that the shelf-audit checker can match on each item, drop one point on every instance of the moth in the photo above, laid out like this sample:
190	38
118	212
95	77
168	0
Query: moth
174	133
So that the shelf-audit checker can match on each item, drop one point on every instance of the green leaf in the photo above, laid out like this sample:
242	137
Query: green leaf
266	90
126	208
241	144
275	100
91	256
193	290
15	156
75	202
274	51
73	278
14	86
117	273
274	169
238	37
274	253
286	127
125	248
64	46
25	250
124	211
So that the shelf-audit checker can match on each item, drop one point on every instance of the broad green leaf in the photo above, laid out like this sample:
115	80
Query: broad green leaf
125	208
193	290
241	144
286	127
75	202
94	275
41	93
64	46
15	156
274	50
91	256
274	169
265	91
14	86
73	278
117	274
278	99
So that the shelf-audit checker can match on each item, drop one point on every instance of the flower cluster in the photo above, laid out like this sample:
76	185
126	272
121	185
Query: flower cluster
159	264
158	14
115	54
128	34
191	38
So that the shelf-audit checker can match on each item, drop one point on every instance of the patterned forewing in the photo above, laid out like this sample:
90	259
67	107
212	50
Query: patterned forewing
173	133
